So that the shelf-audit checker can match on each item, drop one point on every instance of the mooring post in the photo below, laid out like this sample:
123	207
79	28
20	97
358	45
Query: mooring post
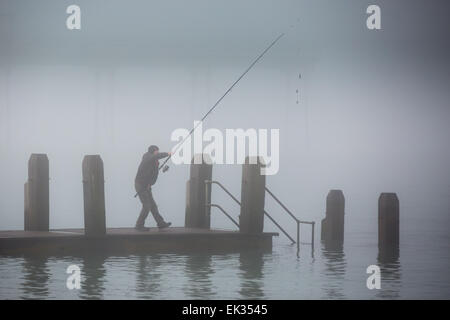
388	221
36	194
197	215
94	196
187	211
251	219
207	193
26	200
332	232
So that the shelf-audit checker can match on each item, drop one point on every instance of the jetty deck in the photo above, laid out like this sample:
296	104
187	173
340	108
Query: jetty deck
130	241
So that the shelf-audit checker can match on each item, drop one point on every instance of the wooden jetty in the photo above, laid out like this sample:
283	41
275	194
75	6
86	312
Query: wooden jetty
196	235
122	241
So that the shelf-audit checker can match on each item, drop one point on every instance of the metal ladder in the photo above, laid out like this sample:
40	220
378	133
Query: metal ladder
208	204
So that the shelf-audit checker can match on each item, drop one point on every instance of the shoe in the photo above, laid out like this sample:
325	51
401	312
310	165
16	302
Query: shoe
142	228
164	225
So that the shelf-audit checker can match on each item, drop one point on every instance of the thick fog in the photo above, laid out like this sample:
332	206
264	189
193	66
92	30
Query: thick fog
372	114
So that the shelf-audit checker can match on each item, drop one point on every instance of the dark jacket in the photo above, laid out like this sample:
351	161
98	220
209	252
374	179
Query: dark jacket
148	169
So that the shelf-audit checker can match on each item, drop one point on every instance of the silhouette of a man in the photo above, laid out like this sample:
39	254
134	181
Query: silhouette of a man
146	177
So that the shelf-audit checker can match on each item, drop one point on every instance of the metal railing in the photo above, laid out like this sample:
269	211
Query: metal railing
224	212
298	221
208	184
208	203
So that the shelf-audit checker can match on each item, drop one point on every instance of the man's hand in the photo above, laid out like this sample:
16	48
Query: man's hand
170	153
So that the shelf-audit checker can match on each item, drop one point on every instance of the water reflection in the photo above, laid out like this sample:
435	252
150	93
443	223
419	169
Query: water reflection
300	252
251	266
35	278
333	275
148	277
93	274
198	270
390	267
245	275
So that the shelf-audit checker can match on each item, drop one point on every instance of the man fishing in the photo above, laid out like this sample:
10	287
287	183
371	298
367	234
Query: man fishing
149	167
145	178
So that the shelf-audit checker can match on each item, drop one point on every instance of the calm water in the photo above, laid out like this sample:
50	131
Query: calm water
422	271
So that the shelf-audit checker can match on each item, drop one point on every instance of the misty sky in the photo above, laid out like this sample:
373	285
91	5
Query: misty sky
372	116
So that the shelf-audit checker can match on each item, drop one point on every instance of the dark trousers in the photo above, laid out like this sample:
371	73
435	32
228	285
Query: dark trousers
148	205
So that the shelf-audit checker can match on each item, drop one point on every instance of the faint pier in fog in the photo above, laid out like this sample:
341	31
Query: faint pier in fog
332	231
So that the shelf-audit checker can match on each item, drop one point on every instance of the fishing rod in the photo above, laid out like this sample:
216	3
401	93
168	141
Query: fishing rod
166	167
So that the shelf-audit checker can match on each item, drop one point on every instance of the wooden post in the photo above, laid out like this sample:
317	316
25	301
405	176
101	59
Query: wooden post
332	232
26	197
94	196
251	219
197	215
36	192
388	221
187	212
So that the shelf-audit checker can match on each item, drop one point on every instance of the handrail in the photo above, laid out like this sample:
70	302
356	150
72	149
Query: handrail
224	189
221	209
279	227
298	221
281	204
239	203
208	199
